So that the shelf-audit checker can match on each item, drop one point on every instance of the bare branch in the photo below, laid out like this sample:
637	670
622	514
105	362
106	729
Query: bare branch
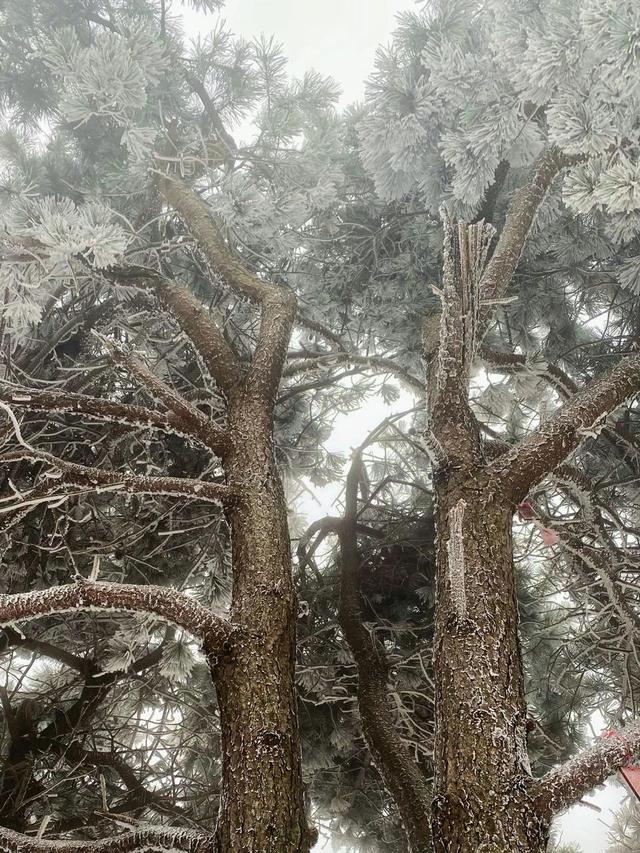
567	784
166	603
142	839
100	479
65	402
529	461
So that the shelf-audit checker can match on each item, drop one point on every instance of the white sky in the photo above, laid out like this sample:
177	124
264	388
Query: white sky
335	37
339	38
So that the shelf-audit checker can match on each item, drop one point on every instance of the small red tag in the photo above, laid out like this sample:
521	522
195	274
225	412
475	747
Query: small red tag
631	776
525	511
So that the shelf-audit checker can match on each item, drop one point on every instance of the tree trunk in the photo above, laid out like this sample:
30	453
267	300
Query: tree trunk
481	803
262	804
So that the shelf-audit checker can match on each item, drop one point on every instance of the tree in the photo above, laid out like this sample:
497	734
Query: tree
79	64
84	244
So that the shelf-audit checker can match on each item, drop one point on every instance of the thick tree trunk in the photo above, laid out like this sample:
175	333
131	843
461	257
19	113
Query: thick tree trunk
262	804
481	802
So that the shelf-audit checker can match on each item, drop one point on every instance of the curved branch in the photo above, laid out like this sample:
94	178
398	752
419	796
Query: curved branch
166	603
139	841
384	365
66	402
400	773
567	784
529	461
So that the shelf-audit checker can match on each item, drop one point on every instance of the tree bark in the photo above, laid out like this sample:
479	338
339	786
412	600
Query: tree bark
485	798
262	804
481	802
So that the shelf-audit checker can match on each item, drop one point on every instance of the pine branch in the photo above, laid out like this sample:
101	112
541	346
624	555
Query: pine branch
138	795
195	423
212	114
41	647
520	217
506	362
99	479
142	839
278	305
567	784
168	604
379	363
183	423
517	470
192	318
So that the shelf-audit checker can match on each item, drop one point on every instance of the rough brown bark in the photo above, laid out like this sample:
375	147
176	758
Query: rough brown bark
481	804
252	657
485	798
481	799
262	808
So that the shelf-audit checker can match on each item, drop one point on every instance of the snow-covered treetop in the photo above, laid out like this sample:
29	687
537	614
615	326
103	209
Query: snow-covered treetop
466	85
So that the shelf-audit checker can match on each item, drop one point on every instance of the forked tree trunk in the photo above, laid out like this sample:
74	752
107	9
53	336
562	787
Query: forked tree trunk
482	803
262	804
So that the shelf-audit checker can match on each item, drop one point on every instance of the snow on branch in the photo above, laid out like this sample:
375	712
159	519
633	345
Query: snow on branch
66	402
164	602
567	784
141	839
186	415
520	217
200	222
192	317
278	304
101	480
529	461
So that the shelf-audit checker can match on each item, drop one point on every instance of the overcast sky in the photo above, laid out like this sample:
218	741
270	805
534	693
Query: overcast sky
334	37
339	38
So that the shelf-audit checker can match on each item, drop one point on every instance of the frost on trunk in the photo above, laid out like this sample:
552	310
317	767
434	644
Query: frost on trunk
485	798
252	654
455	549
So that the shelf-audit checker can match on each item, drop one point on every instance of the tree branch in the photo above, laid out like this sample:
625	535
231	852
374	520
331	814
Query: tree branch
278	305
520	217
100	479
198	426
529	461
166	603
400	773
143	839
194	320
567	784
41	647
66	402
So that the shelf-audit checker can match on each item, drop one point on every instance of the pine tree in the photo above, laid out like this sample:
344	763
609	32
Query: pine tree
141	387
